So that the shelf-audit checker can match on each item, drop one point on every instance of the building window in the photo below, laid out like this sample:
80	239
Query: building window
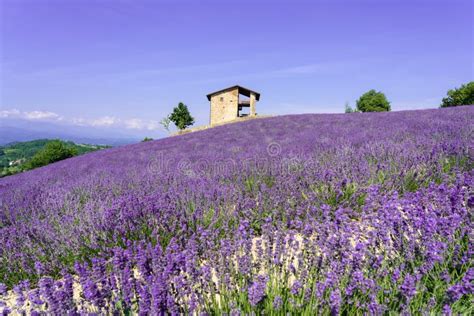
222	99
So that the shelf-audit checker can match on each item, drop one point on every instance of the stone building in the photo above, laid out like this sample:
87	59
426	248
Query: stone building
232	103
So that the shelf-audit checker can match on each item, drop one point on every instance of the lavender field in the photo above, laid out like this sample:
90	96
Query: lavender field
306	214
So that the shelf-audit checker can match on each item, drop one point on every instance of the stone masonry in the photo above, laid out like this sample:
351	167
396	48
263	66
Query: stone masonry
226	104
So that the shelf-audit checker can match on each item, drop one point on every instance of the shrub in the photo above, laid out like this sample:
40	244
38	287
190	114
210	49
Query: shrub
463	95
373	101
348	108
53	151
165	122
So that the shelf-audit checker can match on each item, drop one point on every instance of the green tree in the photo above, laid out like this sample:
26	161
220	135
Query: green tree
53	151
463	95
373	101
347	108
181	116
147	139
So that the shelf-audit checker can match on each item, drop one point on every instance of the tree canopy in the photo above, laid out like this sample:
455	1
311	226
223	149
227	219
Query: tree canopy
463	95
53	151
181	116
348	108
373	101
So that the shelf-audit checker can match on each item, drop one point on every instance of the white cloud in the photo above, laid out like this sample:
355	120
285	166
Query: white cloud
9	113
40	115
111	121
31	115
134	123
142	124
105	121
79	121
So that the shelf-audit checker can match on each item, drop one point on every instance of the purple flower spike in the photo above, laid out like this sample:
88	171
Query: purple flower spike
256	291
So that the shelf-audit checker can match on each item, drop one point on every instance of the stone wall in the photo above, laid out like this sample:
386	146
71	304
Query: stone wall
204	127
253	100
224	107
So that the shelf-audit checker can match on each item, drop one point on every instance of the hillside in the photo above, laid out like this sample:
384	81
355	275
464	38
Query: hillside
298	213
13	156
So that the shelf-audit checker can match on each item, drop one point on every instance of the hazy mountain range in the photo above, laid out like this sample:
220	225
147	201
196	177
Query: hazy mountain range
12	130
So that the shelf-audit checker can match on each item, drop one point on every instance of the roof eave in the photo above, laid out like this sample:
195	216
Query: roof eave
257	95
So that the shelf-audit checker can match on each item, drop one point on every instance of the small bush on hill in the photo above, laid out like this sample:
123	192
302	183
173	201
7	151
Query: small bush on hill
373	101
348	108
463	95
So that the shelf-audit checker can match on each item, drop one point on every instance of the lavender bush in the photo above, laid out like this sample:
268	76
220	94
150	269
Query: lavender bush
308	214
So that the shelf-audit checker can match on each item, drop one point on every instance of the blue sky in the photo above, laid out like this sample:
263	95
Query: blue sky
125	64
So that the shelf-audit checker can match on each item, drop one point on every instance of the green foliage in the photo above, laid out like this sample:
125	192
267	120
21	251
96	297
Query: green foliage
181	116
16	155
348	109
165	122
147	139
463	95
373	101
410	182
20	151
53	151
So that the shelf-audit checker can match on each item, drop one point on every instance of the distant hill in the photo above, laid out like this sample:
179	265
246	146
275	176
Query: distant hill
15	155
12	130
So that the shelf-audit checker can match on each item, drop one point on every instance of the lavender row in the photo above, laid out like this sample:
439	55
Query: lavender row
307	213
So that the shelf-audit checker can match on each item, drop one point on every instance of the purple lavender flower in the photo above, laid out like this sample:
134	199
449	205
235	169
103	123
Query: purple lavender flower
395	189
39	267
47	291
335	302
277	303
256	291
445	277
396	275
447	310
408	288
20	298
92	293
35	297
464	287
144	300
3	289
296	287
